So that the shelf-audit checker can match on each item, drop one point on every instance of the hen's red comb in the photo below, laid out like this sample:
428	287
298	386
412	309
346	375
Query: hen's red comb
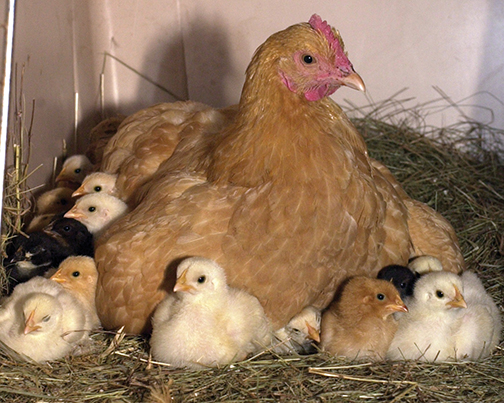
334	41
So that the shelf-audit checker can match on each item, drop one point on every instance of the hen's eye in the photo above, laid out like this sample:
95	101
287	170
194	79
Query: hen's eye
439	294
308	59
201	279
91	209
77	171
97	188
381	297
76	274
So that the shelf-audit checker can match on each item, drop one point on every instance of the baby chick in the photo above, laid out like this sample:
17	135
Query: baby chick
42	321
359	324
73	172
79	276
73	234
207	323
39	222
299	334
425	264
426	333
97	211
480	325
55	201
402	278
32	256
98	182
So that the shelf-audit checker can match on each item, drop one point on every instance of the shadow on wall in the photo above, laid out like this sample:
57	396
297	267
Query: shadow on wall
491	84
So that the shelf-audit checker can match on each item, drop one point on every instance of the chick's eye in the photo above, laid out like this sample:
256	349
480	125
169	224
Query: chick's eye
97	188
402	285
439	294
297	331
63	202
201	279
77	171
46	318
91	209
308	59
66	228
76	274
380	296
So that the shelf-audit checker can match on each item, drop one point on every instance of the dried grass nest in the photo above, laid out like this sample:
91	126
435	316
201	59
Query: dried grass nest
461	179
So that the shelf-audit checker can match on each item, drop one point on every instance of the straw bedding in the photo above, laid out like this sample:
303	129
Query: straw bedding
461	179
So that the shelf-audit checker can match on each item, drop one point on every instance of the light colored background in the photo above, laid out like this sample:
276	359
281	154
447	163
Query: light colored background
199	49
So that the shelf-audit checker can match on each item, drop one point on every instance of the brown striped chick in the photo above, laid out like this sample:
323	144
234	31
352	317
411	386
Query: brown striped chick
425	264
426	333
359	324
55	201
78	275
299	334
98	182
48	205
73	172
207	323
97	211
42	321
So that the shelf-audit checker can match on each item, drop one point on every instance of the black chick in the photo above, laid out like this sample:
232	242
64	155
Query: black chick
73	234
403	278
32	256
42	250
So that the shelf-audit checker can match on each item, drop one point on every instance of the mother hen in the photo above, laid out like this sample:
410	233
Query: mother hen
283	195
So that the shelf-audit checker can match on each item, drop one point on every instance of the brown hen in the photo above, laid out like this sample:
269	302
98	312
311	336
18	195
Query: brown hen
284	197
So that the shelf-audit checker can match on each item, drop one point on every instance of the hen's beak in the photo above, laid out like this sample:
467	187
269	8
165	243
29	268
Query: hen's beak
313	333
30	326
458	301
182	285
353	80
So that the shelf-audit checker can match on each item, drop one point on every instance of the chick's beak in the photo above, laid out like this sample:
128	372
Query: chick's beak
182	285
62	176
30	326
397	306
353	80
79	192
73	213
56	277
458	301
313	333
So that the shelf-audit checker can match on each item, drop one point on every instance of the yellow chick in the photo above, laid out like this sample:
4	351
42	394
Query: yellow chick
73	172
360	324
78	275
42	321
98	182
207	323
426	332
97	211
479	326
425	264
299	334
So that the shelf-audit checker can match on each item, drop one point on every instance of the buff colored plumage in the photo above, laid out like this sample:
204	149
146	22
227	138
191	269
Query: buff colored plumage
78	275
360	323
98	182
207	323
285	185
